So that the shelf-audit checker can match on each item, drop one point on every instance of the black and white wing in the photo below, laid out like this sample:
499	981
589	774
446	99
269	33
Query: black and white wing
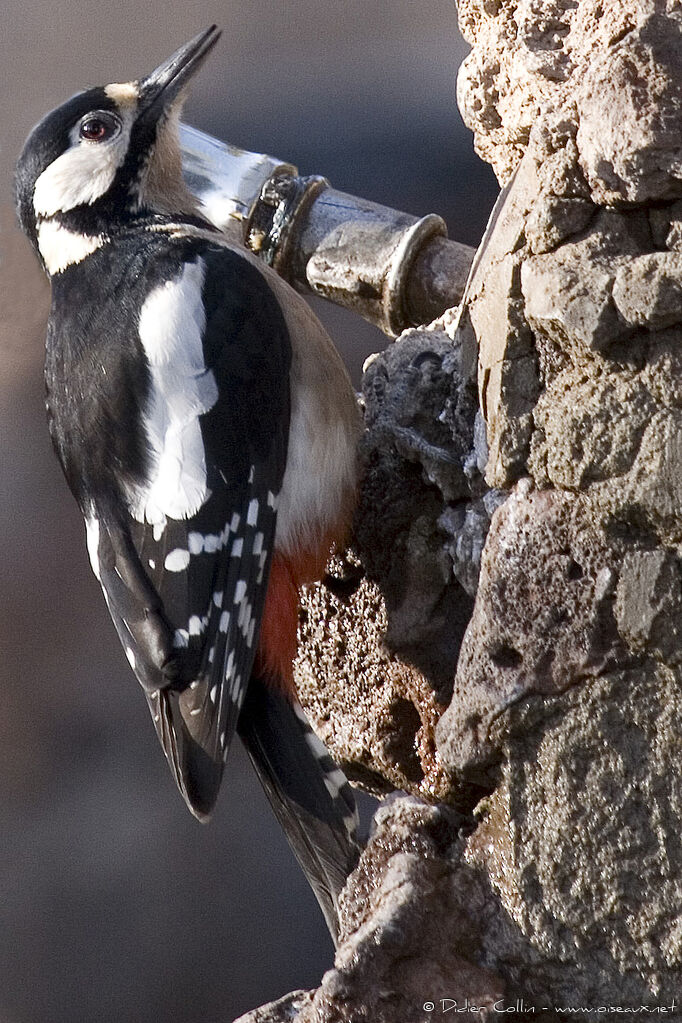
184	560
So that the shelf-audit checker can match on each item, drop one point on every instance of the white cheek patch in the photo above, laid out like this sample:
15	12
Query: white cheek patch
83	173
172	322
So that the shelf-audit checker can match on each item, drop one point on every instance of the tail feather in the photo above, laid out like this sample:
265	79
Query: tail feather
309	794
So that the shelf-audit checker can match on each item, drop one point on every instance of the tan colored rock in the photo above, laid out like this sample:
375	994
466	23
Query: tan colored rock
589	426
543	621
617	64
380	724
402	956
580	841
554	600
501	88
629	106
648	605
568	292
507	369
647	291
551	223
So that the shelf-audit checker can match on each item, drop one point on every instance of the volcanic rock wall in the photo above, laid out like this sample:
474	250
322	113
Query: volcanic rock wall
513	652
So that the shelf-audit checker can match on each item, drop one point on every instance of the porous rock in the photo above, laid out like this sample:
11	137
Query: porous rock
532	581
580	843
629	98
394	634
410	940
566	701
610	67
379	725
543	620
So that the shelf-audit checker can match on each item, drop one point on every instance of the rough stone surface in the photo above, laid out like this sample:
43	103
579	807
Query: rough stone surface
421	523
543	620
647	291
581	841
566	701
520	526
589	427
508	374
380	725
568	293
628	101
612	68
420	456
648	607
410	936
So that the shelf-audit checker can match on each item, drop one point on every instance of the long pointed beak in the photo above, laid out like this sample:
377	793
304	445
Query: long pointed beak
158	90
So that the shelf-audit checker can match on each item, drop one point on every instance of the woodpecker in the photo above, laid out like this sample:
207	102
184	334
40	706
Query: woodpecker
207	428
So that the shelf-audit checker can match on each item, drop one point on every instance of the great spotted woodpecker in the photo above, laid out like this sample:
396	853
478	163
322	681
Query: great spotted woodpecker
207	428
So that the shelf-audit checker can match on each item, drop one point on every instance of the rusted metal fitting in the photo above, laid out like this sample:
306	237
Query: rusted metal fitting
394	270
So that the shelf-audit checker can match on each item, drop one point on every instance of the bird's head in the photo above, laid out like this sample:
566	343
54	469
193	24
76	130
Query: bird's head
109	153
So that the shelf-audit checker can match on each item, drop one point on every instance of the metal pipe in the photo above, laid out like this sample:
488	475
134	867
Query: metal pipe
394	270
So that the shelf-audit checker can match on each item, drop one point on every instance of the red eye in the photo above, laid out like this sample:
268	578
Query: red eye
97	128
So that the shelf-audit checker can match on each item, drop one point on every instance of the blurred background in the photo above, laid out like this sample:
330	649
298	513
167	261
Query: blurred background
115	905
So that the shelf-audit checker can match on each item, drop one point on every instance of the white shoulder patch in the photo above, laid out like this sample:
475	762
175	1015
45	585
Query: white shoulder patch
60	247
171	326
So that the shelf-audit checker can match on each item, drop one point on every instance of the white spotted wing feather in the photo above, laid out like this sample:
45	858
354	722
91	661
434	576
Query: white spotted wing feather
185	569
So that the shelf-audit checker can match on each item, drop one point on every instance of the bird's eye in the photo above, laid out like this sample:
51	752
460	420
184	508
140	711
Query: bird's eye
98	127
